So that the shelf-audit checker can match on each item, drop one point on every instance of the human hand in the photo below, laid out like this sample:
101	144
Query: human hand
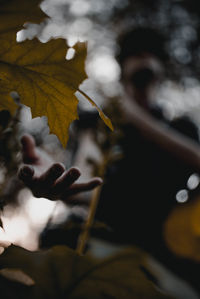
50	180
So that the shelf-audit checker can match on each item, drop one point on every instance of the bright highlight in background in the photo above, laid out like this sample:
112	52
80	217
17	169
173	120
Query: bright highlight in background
103	68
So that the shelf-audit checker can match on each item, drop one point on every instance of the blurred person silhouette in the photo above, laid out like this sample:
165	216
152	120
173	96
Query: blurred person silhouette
158	155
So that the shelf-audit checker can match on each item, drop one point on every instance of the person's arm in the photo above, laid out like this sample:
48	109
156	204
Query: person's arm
47	179
179	145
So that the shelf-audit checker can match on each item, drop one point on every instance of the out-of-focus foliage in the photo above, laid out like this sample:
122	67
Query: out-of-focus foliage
61	273
182	230
10	288
9	156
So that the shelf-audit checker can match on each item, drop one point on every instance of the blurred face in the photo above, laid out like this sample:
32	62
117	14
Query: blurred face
140	74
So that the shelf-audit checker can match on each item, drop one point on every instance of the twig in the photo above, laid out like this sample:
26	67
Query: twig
84	236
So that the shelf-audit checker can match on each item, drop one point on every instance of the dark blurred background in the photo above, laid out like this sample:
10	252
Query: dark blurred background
101	23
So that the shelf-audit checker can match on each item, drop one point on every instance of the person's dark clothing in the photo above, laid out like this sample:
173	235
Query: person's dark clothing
140	190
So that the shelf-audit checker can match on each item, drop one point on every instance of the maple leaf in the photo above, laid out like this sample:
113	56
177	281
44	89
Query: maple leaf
61	273
44	79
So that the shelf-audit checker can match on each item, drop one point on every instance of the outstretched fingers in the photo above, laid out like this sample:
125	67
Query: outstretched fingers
42	184
56	182
49	177
65	181
80	187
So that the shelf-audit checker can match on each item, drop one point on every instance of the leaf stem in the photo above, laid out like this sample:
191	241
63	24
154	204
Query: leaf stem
101	114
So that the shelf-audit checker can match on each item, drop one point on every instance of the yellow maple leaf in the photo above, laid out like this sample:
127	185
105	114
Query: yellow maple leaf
39	72
45	80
